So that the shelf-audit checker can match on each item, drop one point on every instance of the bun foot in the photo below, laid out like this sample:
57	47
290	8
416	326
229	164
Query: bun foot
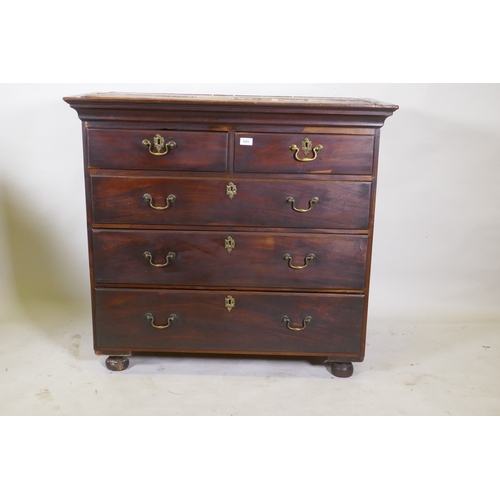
117	363
342	370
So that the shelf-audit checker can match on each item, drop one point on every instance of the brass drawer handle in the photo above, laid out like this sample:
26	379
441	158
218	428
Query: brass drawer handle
171	199
306	321
308	259
306	148
302	210
151	318
159	145
170	256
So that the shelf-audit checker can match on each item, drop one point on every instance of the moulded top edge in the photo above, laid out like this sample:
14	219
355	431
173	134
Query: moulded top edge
333	102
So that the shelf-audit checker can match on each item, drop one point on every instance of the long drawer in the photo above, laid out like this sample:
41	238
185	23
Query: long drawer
279	323
230	202
295	261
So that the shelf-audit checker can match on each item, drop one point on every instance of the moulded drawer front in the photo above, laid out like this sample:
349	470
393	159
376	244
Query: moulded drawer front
331	262
229	321
231	202
339	154
124	149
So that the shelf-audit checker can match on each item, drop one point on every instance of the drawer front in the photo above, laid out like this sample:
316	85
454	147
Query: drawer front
340	154
200	321
124	149
250	203
333	262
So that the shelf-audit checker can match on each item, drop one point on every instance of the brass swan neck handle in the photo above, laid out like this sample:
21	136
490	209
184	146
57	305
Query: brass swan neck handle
169	200
308	259
160	148
306	321
170	320
312	202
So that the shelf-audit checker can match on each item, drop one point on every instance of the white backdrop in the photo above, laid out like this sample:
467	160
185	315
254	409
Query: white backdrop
437	239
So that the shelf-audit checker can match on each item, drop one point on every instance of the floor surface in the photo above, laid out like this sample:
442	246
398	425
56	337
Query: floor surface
47	367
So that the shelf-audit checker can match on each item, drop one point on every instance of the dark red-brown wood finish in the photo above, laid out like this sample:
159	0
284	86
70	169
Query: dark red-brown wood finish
231	259
257	202
230	225
255	325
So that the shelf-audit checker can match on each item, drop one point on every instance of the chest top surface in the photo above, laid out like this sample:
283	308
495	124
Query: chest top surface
331	102
286	110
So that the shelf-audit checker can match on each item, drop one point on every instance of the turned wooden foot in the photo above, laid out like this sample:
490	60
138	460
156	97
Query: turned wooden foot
117	363
342	370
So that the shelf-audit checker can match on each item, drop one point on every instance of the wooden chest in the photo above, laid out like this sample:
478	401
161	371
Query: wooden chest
230	225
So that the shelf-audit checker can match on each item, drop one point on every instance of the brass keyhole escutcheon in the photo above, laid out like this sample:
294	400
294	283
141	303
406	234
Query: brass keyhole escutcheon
230	244
307	146
230	303
231	190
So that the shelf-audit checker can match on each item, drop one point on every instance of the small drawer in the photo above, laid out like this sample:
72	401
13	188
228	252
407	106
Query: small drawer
231	202
221	259
225	322
164	150
313	153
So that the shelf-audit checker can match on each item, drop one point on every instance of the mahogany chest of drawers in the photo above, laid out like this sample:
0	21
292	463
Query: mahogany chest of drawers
230	225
